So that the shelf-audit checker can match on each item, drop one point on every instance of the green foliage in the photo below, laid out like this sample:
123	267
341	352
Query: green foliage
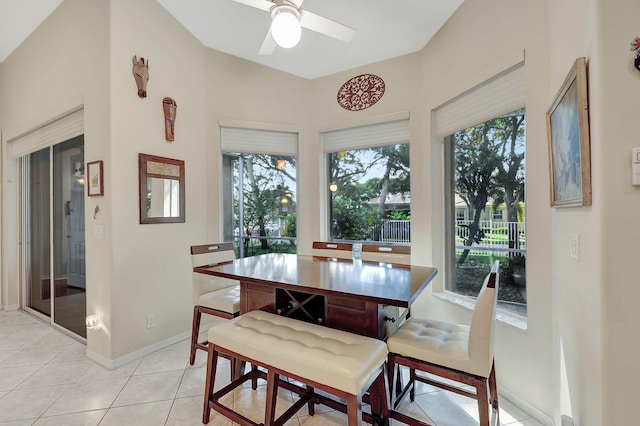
353	216
399	215
290	228
513	267
352	219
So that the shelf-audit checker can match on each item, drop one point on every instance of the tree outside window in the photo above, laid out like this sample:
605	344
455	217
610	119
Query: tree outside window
370	197
263	189
488	174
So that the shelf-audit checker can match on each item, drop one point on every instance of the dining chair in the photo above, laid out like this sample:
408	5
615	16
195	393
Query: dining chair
331	249
215	296
461	353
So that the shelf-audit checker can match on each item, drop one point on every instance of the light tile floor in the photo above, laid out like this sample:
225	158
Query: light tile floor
46	379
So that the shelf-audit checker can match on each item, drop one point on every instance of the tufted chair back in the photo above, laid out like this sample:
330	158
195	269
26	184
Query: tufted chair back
483	323
386	253
338	250
210	254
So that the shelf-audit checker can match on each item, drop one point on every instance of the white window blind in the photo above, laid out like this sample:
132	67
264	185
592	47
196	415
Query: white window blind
253	141
368	136
497	96
60	130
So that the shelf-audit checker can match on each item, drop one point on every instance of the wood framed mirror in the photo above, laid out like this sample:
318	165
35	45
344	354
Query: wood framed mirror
161	189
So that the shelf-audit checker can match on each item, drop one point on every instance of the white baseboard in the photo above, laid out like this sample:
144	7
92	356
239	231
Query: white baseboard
10	307
526	407
117	362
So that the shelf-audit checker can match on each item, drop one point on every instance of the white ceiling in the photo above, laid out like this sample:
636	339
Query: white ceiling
18	19
384	29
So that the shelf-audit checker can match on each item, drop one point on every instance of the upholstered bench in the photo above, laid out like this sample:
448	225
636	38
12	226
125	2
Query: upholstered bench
336	362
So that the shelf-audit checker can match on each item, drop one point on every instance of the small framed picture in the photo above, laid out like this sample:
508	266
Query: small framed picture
95	173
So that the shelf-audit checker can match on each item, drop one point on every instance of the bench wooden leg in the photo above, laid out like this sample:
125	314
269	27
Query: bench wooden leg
272	396
391	371
379	398
311	404
195	330
212	365
354	409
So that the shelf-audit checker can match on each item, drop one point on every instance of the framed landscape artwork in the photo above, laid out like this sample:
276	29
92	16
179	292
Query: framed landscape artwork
568	138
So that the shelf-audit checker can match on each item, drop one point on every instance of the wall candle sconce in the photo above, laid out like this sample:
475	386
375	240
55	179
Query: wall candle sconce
93	322
78	169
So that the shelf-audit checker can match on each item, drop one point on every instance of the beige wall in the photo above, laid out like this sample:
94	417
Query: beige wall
561	364
62	65
576	286
616	91
150	262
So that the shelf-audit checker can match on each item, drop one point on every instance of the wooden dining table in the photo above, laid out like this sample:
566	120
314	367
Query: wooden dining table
366	298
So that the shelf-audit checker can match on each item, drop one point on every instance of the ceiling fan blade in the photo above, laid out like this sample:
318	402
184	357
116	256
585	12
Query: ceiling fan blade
265	5
325	26
298	3
268	45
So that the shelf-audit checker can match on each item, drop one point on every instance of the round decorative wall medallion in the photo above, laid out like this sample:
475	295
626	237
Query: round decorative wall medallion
361	92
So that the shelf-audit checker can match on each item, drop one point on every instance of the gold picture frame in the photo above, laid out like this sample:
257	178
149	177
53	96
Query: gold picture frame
568	139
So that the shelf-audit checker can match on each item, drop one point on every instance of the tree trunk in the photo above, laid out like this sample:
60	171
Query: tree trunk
512	218
255	194
384	190
474	227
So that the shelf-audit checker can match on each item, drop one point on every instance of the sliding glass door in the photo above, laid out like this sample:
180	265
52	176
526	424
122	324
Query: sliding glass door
53	234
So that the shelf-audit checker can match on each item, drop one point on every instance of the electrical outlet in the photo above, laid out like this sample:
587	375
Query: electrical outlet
151	321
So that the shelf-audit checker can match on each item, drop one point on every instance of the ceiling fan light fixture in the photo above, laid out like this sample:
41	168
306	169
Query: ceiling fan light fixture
285	26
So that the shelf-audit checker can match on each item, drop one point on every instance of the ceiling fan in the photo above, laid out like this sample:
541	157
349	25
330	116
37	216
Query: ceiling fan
287	18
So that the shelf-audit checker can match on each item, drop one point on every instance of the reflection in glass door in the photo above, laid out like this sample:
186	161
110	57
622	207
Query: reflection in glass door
54	255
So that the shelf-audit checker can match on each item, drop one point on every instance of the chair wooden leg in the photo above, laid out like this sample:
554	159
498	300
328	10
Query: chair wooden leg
412	382
483	403
212	365
493	387
254	379
493	393
195	330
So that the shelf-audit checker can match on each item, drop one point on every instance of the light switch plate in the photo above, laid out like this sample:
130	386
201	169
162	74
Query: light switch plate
98	231
635	166
575	247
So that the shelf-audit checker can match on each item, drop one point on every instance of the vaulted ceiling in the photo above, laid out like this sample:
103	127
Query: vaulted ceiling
384	29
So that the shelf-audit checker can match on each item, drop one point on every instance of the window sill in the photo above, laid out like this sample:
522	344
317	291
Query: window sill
502	316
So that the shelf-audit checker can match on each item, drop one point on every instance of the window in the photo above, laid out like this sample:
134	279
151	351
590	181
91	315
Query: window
370	198
368	181
484	150
259	191
487	164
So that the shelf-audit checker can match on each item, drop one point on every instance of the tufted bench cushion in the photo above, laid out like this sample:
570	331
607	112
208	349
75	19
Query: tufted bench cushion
226	299
335	358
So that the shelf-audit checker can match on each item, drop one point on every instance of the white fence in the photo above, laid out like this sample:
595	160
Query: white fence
496	236
392	231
